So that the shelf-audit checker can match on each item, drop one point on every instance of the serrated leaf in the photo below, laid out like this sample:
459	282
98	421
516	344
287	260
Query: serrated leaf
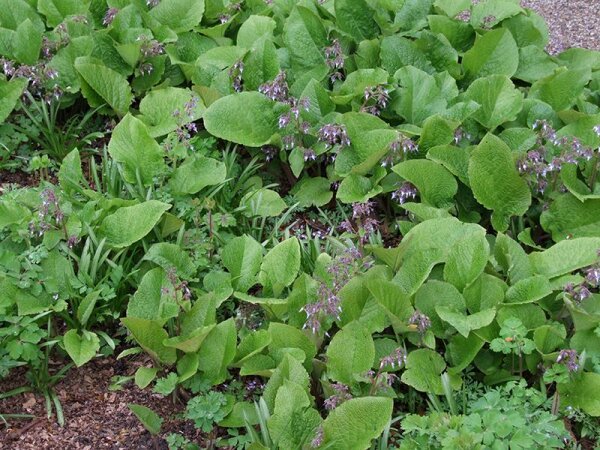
350	354
561	89
494	53
467	260
355	17
423	370
242	256
499	99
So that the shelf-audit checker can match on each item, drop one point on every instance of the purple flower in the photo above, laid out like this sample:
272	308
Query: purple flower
110	15
422	322
319	435
592	276
395	359
569	358
406	192
334	134
309	154
277	90
341	394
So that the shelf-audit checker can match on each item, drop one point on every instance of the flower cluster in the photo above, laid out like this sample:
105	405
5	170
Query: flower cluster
41	78
405	192
50	215
179	286
375	99
152	3
341	394
232	8
235	75
278	89
420	321
591	281
550	155
334	58
398	150
569	358
318	439
362	223
328	306
110	15
185	129
396	359
149	48
461	135
333	134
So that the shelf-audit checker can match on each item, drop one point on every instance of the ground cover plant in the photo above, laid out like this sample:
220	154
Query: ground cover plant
340	224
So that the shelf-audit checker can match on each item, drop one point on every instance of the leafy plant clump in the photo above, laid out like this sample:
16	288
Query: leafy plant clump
341	224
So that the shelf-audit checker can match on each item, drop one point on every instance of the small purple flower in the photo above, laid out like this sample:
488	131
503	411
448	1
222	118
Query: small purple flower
334	134
235	74
110	15
341	394
597	130
422	322
362	209
569	358
319	436
152	3
395	359
592	276
406	192
284	120
277	90
309	154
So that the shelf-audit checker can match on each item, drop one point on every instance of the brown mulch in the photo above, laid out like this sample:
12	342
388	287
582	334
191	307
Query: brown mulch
96	417
19	178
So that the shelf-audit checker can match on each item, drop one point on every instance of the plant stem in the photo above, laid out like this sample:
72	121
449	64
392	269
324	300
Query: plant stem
594	172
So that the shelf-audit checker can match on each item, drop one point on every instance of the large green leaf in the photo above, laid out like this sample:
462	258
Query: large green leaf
305	38
179	15
355	17
491	12
280	266
528	290
285	336
248	118
582	392
467	260
171	257
569	217
132	146
290	369
151	421
464	323
561	89
253	29
242	257
419	95
163	110
57	10
81	348
149	301
27	43
499	99
356	422
196	173
10	92
494	53
262	203
426	245
150	335
496	183
130	224
423	370
435	184
350	354
104	83
566	256
218	351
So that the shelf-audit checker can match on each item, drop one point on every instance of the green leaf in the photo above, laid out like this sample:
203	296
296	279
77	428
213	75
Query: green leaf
159	107
313	191
132	146
189	343
151	421
58	10
549	338
242	256
497	9
496	183
285	336
218	351
86	307
561	89
397	52
149	334
494	53
179	15
149	301
293	422
171	256
281	265
131	223
565	256
394	301
499	99
70	175
144	376
426	245
582	392
419	95
512	258
467	260
356	189
350	354
435	294
305	38
452	7
423	370
290	369
355	17
356	422
248	118
27	43
10	92
437	130
110	86
528	290
252	344
81	348
437	187
253	29
462	351
463	323
196	173
569	217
